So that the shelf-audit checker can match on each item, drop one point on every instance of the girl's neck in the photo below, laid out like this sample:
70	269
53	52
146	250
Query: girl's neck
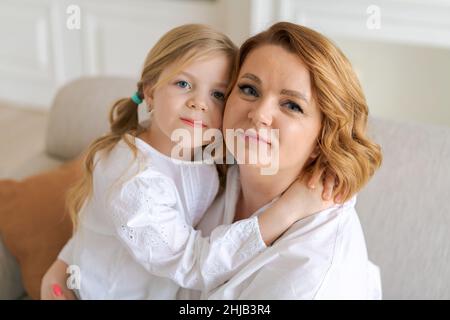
258	190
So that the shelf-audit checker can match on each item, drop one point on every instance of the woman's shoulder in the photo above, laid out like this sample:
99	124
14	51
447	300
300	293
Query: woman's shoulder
326	224
332	236
317	254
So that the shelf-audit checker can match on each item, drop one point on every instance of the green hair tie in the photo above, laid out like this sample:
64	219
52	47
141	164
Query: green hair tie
136	99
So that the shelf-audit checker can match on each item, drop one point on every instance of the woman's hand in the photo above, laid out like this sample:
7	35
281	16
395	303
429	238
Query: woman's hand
53	286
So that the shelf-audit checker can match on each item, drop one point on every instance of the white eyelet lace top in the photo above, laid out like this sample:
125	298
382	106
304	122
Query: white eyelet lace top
136	236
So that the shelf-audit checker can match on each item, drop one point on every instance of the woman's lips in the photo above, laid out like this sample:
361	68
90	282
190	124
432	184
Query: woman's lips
256	138
193	123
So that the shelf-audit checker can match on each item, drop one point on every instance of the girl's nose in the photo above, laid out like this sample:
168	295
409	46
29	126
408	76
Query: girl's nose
196	104
261	115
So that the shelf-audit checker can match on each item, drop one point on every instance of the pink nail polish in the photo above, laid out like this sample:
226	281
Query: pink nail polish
57	290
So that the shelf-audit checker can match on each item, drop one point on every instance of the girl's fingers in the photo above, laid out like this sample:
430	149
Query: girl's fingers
57	292
339	197
315	179
328	187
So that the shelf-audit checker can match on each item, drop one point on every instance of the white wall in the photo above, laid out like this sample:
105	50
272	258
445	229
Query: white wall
39	53
404	65
403	82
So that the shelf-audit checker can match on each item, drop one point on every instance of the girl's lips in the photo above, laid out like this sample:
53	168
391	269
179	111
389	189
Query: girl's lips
190	122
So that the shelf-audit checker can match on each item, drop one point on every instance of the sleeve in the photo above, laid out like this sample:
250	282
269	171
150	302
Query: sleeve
149	221
66	253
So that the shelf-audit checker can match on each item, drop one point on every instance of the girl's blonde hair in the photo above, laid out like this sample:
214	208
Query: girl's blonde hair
345	149
177	48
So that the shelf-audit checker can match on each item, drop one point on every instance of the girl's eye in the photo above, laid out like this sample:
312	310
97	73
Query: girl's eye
293	106
219	95
248	90
183	84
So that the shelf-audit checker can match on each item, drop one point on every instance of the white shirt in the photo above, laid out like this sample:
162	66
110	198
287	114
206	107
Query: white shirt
322	256
135	238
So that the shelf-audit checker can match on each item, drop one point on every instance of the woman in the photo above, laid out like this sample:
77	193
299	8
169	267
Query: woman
294	80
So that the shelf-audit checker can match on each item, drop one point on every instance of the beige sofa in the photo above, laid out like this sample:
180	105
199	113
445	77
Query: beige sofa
404	210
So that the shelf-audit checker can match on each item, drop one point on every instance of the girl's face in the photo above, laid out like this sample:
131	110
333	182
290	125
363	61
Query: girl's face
273	91
196	93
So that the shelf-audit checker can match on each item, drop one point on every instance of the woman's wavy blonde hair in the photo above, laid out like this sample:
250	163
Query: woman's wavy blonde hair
177	48
345	150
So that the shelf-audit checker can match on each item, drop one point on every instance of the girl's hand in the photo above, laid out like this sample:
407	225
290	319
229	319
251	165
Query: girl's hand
297	202
53	286
303	201
328	182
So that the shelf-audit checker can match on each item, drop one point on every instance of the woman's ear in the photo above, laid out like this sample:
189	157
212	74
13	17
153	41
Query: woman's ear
315	153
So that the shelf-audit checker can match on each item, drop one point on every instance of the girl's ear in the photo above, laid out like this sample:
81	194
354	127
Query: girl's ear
148	96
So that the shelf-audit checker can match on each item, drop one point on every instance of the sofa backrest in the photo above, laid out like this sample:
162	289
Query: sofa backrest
80	113
405	210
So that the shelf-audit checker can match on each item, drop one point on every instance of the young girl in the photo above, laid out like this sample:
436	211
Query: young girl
136	206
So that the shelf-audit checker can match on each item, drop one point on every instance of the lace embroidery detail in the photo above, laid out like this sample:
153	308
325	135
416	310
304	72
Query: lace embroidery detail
242	241
144	201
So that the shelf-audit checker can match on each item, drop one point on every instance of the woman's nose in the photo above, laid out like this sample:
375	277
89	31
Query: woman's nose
261	115
196	104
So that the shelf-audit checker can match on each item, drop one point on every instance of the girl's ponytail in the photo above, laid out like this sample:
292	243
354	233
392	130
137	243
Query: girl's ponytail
123	119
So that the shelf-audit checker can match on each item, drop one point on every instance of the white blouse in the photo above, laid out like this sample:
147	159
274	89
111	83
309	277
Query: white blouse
135	238
322	256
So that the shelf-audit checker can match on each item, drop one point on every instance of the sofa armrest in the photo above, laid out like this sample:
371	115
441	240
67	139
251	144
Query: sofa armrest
10	280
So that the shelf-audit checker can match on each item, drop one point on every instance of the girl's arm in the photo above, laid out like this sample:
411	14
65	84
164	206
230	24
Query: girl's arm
54	282
296	203
56	276
160	239
53	285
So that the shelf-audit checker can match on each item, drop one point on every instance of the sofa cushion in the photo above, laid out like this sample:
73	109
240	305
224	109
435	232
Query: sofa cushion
34	223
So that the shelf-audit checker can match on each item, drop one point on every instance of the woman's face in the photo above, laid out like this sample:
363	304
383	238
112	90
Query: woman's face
273	91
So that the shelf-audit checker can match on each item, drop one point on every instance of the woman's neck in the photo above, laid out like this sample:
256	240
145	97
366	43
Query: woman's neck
257	190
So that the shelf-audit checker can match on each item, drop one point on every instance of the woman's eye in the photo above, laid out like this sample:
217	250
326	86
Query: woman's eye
248	90
219	95
293	106
183	84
